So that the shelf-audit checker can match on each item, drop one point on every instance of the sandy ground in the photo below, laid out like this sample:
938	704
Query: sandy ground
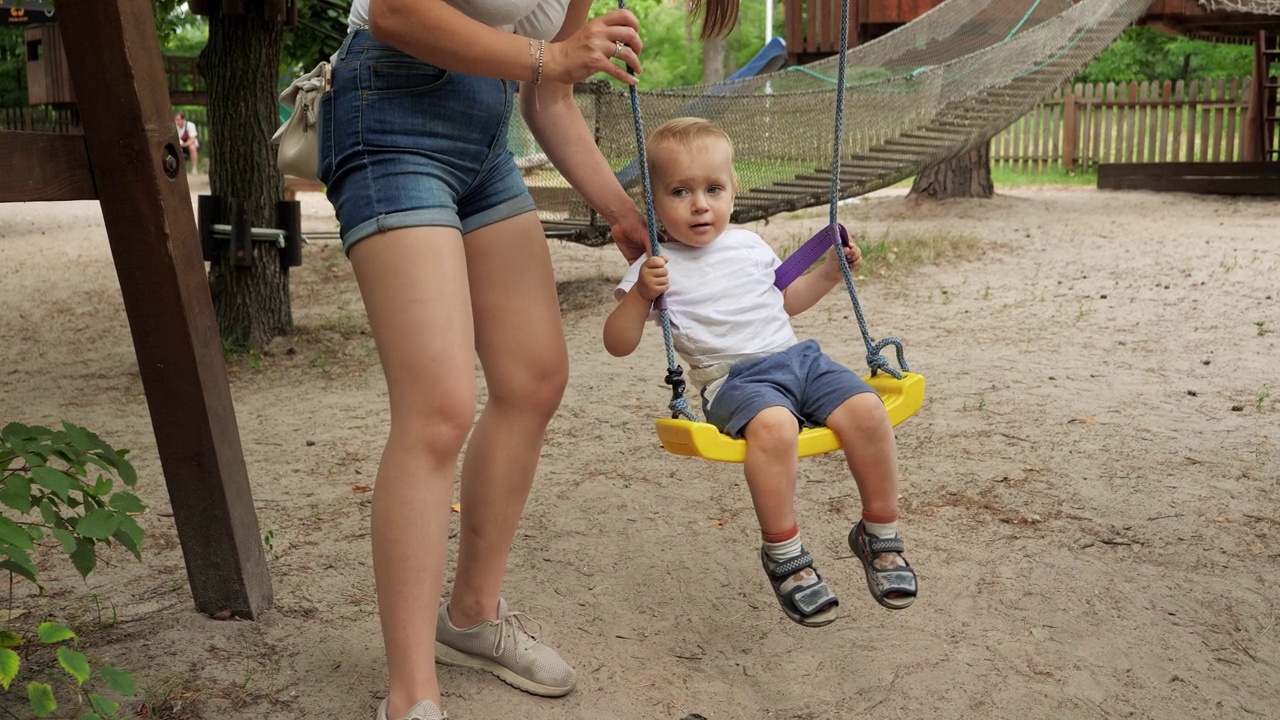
1091	492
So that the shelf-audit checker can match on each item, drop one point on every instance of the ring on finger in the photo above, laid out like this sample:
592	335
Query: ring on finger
617	47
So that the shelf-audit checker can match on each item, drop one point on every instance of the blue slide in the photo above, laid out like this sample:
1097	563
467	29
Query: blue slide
770	59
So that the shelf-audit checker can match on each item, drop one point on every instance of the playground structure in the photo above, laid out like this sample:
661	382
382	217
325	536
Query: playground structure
929	90
917	97
928	80
49	77
127	159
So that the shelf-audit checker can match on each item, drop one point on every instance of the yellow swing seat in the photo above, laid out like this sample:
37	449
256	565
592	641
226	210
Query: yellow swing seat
902	398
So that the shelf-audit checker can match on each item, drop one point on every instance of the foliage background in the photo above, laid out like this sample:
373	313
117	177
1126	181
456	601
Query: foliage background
673	54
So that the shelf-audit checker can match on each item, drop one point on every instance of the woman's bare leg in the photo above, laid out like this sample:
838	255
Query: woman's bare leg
521	346
414	283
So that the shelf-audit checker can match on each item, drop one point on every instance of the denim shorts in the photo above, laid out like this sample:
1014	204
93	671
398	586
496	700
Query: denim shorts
801	379
407	144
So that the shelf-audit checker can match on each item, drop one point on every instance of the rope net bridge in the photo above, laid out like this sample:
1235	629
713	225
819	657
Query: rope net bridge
932	89
1255	7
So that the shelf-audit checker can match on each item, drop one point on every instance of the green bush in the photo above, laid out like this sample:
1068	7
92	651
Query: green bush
68	482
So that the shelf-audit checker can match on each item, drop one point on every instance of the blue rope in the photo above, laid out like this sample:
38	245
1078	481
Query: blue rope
875	359
679	405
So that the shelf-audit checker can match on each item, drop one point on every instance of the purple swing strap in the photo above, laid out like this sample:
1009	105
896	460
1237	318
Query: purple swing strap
799	261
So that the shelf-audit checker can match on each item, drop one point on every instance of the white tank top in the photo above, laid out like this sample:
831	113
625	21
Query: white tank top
538	19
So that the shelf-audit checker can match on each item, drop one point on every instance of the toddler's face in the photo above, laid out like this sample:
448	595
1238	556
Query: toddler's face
693	190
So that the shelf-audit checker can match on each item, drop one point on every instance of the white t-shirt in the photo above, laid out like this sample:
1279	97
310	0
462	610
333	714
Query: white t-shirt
537	19
189	133
721	301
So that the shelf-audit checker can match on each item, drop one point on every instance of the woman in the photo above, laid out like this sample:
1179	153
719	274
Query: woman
452	263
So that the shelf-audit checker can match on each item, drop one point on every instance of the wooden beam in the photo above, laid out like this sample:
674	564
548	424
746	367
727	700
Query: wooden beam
54	167
1244	178
146	205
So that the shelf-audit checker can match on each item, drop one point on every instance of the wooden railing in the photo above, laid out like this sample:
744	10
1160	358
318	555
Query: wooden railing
1088	124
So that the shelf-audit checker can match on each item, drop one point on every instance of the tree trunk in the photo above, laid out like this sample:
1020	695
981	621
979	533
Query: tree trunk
240	64
713	61
963	176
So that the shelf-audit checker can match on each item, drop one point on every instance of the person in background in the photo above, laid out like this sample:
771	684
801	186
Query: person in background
188	140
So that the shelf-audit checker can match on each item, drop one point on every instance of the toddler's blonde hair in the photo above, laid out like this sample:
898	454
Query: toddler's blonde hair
687	132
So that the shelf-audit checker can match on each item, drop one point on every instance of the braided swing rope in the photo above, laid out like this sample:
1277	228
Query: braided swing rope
675	374
875	359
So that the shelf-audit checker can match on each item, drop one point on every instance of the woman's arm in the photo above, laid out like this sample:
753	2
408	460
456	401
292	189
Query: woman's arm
557	124
438	33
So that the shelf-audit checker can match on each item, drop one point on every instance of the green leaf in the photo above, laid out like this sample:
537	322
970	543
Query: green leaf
55	481
52	633
95	460
41	697
79	437
67	539
85	558
35	532
14	432
98	524
16	493
127	502
18	447
120	682
89	716
74	662
9	664
8	639
125	470
49	513
18	562
102	486
130	535
104	705
12	533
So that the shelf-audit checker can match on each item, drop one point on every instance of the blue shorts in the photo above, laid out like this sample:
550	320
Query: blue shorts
801	379
407	144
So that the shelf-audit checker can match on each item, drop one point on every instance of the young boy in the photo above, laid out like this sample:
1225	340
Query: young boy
733	327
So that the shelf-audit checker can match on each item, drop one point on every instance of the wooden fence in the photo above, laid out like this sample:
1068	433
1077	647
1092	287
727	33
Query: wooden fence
40	118
1087	124
1080	126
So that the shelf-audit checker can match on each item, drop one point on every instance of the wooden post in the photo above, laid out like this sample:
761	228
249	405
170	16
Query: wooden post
114	56
1253	127
1070	130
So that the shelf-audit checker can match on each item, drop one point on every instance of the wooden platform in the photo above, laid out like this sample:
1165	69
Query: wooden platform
1235	178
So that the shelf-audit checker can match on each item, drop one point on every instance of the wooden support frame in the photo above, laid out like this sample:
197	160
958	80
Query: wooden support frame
128	160
1222	178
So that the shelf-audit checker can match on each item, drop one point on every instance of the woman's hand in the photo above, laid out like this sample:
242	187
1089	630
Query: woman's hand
615	35
631	234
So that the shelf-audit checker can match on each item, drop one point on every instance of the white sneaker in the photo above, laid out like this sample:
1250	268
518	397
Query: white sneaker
506	648
425	710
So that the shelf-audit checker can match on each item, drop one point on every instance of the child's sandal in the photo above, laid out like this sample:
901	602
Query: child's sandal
808	602
894	588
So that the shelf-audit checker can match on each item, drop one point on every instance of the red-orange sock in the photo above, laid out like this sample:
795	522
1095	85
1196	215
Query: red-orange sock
882	526
782	545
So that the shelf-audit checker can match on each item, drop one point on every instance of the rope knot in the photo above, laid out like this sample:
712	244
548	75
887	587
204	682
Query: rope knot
877	362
